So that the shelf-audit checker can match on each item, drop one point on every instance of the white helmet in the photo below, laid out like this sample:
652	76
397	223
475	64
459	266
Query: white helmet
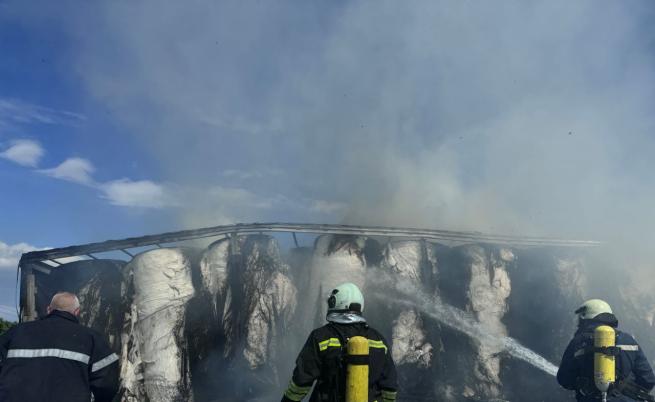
592	308
346	297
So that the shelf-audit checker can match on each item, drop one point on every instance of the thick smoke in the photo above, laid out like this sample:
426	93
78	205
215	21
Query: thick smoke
520	117
517	117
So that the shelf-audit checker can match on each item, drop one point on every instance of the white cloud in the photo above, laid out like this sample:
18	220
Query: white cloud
77	170
122	192
17	112
141	193
24	152
10	254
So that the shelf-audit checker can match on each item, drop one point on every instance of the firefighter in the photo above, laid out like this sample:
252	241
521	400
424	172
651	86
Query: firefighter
634	375
56	359
322	357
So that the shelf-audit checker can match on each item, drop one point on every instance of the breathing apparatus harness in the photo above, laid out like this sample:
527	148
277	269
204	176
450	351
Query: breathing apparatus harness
345	306
620	386
337	366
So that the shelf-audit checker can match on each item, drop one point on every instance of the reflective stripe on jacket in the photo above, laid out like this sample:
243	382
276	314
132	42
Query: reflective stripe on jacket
56	359
577	368
320	360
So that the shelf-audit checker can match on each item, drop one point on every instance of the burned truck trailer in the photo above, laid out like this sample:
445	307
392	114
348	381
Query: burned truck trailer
220	313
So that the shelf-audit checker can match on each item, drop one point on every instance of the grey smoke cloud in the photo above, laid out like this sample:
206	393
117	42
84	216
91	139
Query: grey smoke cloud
512	117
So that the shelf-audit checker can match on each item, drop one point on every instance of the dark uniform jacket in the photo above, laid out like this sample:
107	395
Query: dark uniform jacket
321	359
56	359
576	371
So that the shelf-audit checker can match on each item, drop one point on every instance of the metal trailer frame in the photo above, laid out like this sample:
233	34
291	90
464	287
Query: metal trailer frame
46	260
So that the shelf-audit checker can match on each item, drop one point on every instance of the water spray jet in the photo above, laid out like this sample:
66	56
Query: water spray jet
461	321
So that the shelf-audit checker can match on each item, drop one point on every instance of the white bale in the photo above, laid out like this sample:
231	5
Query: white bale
488	290
213	272
408	335
162	286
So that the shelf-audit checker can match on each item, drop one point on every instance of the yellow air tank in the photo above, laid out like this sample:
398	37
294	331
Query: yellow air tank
357	370
604	365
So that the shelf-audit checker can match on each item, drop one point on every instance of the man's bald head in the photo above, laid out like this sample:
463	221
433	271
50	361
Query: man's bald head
65	301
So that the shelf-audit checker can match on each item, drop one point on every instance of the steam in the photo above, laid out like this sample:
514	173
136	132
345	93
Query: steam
414	297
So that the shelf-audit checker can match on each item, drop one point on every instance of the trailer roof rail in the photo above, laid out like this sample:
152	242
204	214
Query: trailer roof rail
312	228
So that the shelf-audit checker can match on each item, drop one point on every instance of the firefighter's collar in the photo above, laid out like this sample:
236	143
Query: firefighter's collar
63	314
345	318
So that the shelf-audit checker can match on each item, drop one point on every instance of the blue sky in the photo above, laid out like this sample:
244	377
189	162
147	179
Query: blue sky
119	119
46	118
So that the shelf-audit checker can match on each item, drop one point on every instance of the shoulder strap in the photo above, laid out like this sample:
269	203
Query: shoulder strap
342	339
337	384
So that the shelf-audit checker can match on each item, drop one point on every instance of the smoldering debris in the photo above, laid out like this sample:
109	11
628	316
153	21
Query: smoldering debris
226	322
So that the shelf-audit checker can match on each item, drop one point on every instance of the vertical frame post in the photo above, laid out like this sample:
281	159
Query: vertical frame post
30	294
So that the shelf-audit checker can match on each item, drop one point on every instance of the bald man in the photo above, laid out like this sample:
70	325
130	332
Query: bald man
57	359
